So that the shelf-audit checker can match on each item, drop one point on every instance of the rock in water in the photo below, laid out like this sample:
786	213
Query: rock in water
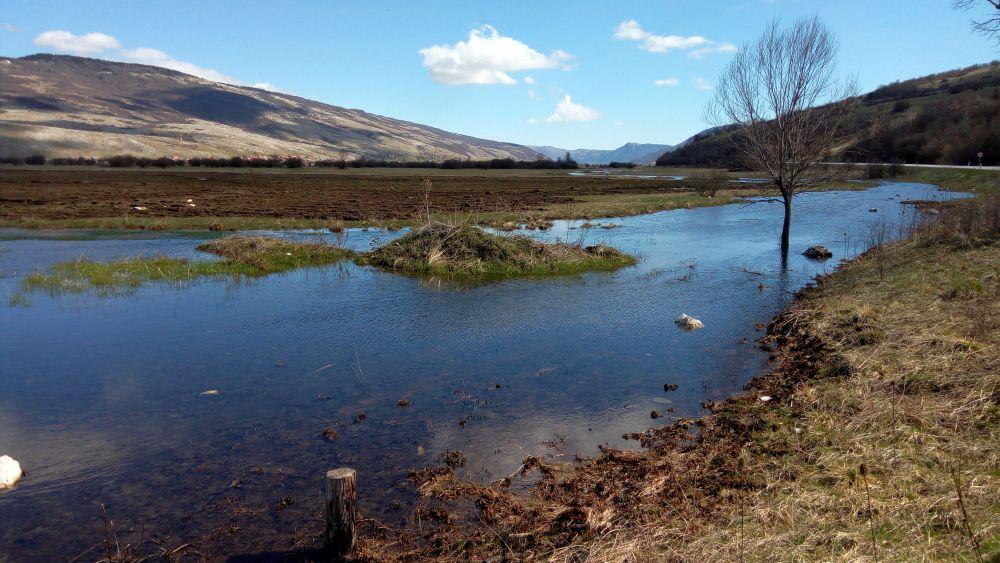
818	252
688	323
10	472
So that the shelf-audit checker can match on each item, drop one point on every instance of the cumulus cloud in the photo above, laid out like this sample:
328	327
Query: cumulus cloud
702	84
630	30
567	110
94	44
529	80
155	57
66	42
666	82
486	58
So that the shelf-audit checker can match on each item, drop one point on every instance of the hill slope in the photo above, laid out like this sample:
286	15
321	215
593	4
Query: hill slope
70	106
944	118
639	153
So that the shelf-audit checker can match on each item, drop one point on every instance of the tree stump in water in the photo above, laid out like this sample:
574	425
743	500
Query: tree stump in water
341	511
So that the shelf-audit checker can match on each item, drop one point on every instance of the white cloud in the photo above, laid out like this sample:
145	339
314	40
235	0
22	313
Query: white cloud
566	111
619	123
66	42
533	120
94	44
666	82
630	30
529	80
702	84
486	58
9	27
533	95
155	57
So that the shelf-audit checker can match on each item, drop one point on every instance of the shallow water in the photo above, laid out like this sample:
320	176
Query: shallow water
100	397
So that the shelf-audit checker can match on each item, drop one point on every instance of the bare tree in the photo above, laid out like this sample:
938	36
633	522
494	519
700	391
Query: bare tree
784	107
989	23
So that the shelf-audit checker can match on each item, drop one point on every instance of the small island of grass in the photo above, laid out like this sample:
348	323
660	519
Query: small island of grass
439	249
241	256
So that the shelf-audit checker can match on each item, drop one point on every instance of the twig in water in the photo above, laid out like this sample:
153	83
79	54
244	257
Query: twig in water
320	369
357	361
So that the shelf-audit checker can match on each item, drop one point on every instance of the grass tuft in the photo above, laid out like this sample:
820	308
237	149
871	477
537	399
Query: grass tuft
242	256
439	249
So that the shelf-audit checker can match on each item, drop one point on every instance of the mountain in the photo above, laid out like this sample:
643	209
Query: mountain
72	106
943	118
638	153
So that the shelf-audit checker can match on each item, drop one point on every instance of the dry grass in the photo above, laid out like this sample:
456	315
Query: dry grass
878	440
440	249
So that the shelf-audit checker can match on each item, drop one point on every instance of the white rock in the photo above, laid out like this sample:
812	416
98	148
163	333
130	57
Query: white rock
688	322
10	472
765	398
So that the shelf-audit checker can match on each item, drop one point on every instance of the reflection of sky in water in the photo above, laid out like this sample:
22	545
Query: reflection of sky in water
100	396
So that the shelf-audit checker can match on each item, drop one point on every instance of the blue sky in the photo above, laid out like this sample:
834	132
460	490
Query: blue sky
510	79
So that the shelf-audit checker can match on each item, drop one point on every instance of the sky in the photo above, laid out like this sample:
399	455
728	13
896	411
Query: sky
580	74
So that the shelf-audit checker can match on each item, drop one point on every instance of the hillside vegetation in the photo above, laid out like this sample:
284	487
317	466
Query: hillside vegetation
62	106
944	118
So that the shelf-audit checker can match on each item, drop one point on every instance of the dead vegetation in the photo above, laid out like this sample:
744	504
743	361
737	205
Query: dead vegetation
874	438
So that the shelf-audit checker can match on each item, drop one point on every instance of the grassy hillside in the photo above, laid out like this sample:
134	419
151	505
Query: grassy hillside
62	106
944	118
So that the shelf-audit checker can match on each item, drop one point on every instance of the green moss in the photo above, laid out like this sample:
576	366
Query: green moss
439	249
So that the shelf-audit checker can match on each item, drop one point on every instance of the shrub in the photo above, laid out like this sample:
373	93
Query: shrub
35	159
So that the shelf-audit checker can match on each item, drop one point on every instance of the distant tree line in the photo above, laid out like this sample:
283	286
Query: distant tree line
130	161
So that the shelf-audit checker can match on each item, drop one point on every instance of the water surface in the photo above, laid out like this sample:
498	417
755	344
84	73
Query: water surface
100	398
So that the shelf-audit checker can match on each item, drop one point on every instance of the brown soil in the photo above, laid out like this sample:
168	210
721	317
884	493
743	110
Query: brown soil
76	194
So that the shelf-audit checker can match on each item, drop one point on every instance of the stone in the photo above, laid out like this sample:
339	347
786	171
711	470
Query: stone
818	252
688	323
10	472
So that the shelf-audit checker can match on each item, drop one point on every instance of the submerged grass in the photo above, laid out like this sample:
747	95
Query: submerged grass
440	249
875	437
241	256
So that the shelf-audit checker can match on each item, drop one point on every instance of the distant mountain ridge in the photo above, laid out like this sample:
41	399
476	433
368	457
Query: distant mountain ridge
637	153
64	106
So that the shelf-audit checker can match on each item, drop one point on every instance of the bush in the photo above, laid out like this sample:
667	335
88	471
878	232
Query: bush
121	161
35	159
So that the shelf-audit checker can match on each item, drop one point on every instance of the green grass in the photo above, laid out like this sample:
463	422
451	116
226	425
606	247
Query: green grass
241	256
439	249
974	181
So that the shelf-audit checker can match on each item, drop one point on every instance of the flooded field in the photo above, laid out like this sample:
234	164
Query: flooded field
104	399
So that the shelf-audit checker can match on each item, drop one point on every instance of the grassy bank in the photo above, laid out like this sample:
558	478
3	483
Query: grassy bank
241	256
875	437
440	249
973	181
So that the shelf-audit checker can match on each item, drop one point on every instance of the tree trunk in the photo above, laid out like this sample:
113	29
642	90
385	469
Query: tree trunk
785	229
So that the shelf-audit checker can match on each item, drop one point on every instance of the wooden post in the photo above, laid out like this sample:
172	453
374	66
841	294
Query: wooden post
341	511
